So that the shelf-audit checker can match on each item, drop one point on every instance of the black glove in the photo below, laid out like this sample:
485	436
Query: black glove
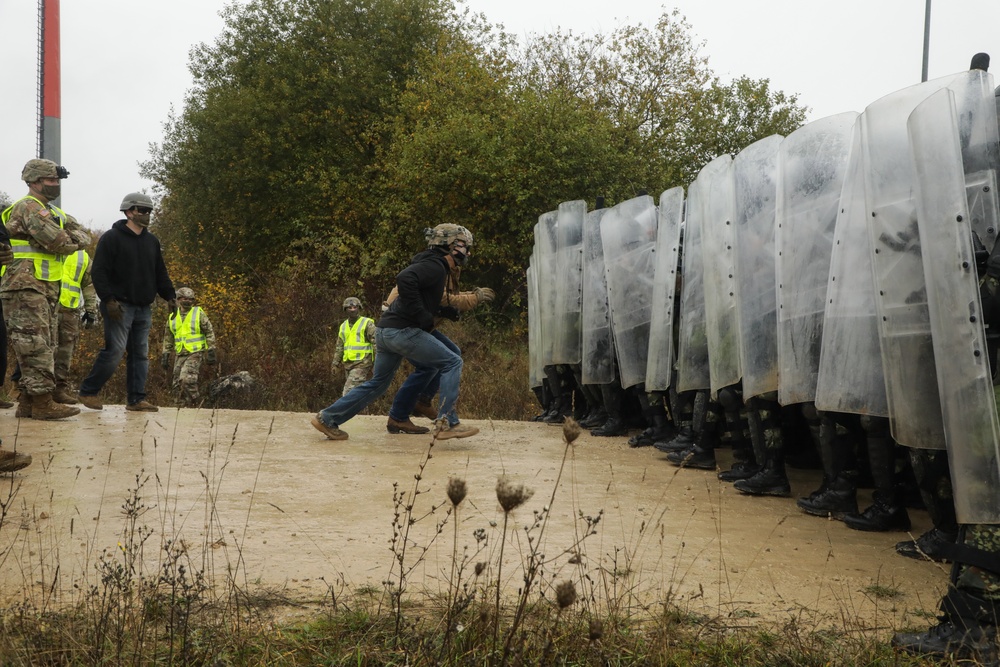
449	312
172	305
165	361
89	320
114	310
210	357
6	254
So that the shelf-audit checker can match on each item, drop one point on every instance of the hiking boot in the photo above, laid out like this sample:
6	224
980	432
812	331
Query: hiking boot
929	545
770	480
6	404
331	432
951	640
11	461
23	406
43	407
456	431
65	395
394	426
141	406
695	457
425	410
879	517
740	470
836	500
92	402
683	440
613	427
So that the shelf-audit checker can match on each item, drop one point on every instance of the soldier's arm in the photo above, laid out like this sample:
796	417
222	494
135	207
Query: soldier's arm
79	235
463	301
206	328
42	226
90	298
338	353
168	338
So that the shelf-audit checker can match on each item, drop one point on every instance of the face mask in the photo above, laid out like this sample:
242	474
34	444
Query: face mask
50	192
460	258
141	219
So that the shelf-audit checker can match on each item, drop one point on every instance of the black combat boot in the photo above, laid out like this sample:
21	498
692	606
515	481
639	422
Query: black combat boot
886	512
740	470
661	430
695	456
596	418
952	639
770	480
614	426
683	440
930	545
834	499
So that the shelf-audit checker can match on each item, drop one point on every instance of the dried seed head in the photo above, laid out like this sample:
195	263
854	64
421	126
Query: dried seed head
480	567
456	490
596	630
565	594
571	430
512	496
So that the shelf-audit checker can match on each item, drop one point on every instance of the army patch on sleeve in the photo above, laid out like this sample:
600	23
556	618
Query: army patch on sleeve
43	212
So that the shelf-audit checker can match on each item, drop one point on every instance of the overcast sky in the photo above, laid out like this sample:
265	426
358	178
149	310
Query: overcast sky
124	65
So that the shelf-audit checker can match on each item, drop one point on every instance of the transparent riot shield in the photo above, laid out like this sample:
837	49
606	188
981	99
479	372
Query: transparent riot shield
850	375
721	288
813	163
660	361
628	232
692	335
566	334
900	290
965	384
598	359
535	373
545	254
755	176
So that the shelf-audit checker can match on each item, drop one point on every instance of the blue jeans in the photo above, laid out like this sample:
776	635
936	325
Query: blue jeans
423	382
129	335
392	346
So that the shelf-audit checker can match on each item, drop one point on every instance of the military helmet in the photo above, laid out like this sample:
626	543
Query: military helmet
447	233
352	301
185	293
133	199
42	168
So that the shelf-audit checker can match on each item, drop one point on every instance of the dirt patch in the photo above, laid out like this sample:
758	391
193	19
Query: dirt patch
264	498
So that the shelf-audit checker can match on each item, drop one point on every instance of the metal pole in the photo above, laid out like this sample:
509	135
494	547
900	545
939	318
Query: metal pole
927	40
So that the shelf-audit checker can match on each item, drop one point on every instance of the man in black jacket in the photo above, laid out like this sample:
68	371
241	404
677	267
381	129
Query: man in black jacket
403	332
128	272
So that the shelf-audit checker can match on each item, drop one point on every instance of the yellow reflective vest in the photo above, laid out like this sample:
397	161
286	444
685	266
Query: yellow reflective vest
356	346
187	331
48	266
74	268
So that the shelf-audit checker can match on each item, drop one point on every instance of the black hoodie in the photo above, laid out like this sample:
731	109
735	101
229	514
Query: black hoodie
128	267
420	287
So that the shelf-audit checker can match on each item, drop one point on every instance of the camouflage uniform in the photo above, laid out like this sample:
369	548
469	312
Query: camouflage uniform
30	305
187	365
357	372
69	330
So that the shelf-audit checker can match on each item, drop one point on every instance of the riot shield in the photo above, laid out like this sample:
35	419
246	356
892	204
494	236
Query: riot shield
813	162
660	361
545	254
721	288
965	385
535	374
755	173
598	359
900	290
692	336
628	232
566	335
850	375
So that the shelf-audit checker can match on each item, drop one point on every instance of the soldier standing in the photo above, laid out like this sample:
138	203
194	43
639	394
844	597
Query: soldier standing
189	333
40	235
355	348
76	291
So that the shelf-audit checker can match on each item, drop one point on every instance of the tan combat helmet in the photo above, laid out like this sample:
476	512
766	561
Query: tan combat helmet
37	168
446	234
352	301
185	293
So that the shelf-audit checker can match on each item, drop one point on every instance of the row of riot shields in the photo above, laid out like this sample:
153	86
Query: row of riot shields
834	266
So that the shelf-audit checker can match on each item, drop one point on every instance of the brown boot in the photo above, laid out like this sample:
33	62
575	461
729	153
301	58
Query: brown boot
424	409
65	395
407	426
23	405
11	461
43	407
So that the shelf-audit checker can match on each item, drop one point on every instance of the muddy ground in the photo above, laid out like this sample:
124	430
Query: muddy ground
265	498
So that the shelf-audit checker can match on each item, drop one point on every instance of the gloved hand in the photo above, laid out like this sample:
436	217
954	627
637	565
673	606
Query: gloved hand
449	312
89	320
6	254
172	305
210	357
485	294
114	310
165	361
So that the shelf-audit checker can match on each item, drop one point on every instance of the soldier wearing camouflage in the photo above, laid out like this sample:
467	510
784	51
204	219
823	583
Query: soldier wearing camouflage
355	346
189	334
41	236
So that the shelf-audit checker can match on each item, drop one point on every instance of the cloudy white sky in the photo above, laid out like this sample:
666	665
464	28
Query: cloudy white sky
124	65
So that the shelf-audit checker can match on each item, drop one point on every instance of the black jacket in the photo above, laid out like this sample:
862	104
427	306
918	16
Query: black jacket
420	287
128	267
